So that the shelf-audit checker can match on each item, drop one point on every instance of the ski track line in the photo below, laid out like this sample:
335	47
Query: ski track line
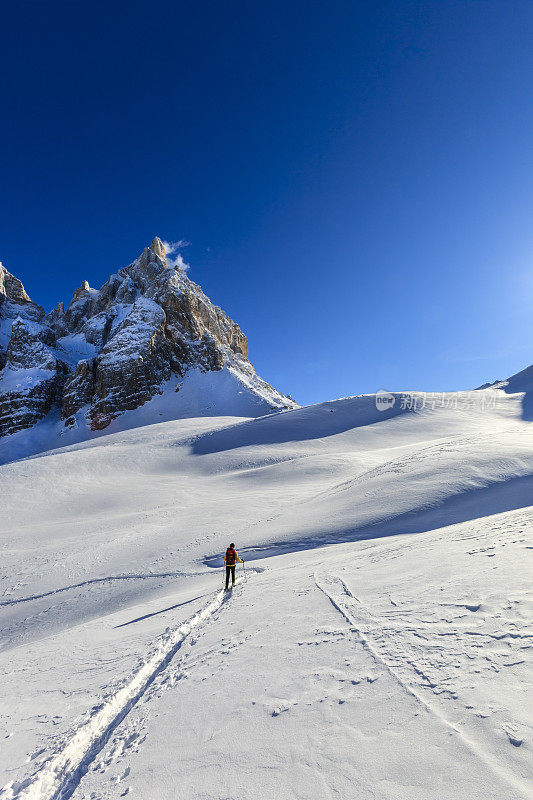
60	776
325	585
88	582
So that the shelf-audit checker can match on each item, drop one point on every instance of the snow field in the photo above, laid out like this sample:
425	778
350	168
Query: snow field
382	652
283	695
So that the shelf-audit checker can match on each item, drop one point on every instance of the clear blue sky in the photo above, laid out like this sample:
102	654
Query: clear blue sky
355	178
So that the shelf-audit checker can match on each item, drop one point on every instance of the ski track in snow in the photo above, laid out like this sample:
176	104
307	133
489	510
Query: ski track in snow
146	576
60	776
348	605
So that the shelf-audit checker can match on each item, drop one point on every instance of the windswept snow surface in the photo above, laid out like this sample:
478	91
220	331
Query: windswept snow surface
377	646
226	392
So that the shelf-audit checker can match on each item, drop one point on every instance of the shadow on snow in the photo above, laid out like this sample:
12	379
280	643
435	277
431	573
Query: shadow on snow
523	382
509	495
162	611
301	424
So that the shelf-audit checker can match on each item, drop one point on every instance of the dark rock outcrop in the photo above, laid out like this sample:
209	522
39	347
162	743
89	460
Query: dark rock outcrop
78	390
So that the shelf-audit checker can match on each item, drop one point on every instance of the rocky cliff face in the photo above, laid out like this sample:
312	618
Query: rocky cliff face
113	349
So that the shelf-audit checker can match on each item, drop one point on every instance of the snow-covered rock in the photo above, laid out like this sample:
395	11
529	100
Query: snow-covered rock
28	381
14	303
114	349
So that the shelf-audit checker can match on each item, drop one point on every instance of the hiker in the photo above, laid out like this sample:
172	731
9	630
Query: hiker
230	559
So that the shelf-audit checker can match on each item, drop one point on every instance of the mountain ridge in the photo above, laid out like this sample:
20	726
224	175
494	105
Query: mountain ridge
113	349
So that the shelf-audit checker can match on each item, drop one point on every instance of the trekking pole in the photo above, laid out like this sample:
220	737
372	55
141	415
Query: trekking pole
223	575
244	568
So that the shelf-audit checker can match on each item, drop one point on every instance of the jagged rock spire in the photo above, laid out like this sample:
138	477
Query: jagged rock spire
82	288
146	258
11	288
158	248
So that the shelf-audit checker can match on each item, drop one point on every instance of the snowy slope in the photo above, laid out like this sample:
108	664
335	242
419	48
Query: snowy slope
227	392
378	647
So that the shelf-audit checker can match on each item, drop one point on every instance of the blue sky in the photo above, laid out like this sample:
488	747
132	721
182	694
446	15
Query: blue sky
355	178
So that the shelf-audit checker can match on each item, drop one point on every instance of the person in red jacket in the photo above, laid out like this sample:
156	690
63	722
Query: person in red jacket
230	560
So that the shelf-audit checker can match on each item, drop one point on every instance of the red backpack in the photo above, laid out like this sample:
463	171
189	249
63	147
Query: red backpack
231	556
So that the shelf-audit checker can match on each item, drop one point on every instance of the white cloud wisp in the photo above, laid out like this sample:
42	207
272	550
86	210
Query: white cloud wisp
174	257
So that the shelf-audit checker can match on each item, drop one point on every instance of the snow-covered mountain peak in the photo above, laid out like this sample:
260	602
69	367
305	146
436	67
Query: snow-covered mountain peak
114	349
519	382
158	248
